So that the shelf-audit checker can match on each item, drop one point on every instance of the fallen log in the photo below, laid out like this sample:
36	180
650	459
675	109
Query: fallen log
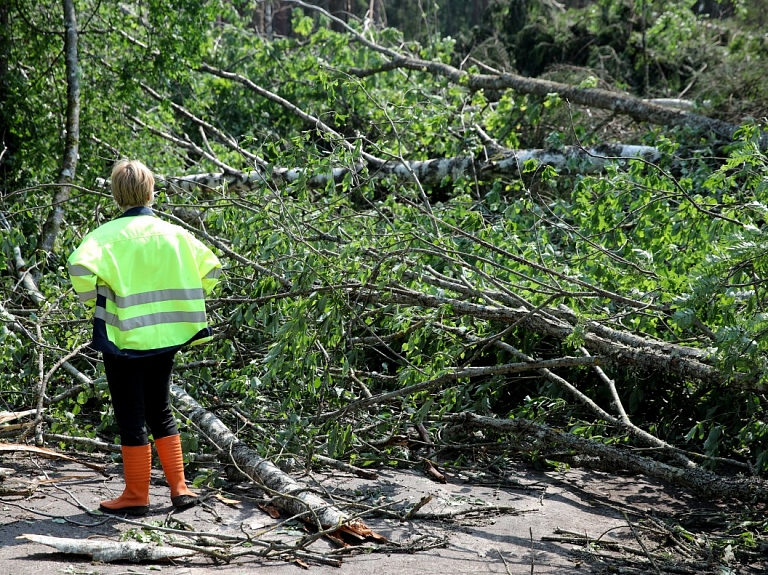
649	358
506	163
697	480
288	495
616	102
109	551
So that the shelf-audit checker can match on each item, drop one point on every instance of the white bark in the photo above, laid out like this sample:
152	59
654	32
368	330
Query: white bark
25	277
508	163
289	495
109	551
6	416
675	103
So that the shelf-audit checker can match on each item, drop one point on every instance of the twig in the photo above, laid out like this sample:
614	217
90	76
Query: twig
342	466
533	556
50	453
458	373
67	519
642	545
627	423
86	441
506	566
421	503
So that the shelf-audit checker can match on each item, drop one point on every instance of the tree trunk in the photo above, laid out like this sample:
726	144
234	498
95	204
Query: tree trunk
377	13
635	108
289	496
8	143
625	104
700	481
507	163
616	347
72	142
109	551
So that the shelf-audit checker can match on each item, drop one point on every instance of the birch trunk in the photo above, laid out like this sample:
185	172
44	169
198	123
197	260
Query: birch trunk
636	108
72	142
507	163
108	551
289	495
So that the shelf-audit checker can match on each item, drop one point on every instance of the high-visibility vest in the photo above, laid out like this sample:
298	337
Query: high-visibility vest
147	280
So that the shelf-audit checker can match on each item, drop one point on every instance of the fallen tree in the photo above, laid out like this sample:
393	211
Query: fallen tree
388	260
697	480
636	108
287	494
505	163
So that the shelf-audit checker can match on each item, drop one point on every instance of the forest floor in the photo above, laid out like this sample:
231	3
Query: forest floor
524	521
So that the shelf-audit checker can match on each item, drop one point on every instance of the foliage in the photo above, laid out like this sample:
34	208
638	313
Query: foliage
368	280
653	49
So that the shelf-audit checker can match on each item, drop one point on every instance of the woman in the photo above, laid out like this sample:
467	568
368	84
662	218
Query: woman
146	280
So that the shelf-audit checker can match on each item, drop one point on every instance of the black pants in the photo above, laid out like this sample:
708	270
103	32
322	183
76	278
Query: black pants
140	389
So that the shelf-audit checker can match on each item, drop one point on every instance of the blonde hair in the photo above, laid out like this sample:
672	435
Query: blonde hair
132	184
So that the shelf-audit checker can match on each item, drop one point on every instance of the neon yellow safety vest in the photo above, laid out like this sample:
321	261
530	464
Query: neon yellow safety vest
147	280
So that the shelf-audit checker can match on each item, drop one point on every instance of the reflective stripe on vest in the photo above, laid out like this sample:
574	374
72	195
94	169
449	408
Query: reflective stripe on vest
123	304
149	319
77	271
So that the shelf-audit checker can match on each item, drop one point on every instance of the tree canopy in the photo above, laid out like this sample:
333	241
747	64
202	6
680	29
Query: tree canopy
538	220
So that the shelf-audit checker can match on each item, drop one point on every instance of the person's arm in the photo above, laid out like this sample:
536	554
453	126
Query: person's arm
211	278
208	266
83	280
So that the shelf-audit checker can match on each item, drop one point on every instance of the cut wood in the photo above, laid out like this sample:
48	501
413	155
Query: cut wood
6	416
109	551
288	495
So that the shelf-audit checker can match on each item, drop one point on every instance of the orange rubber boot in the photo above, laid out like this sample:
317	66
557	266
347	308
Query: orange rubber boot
172	460
137	468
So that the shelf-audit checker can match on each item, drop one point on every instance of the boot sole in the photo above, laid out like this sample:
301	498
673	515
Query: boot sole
184	501
134	511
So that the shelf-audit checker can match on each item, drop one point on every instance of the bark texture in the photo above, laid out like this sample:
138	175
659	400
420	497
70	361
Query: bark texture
702	482
624	349
506	163
72	143
636	108
109	551
289	495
